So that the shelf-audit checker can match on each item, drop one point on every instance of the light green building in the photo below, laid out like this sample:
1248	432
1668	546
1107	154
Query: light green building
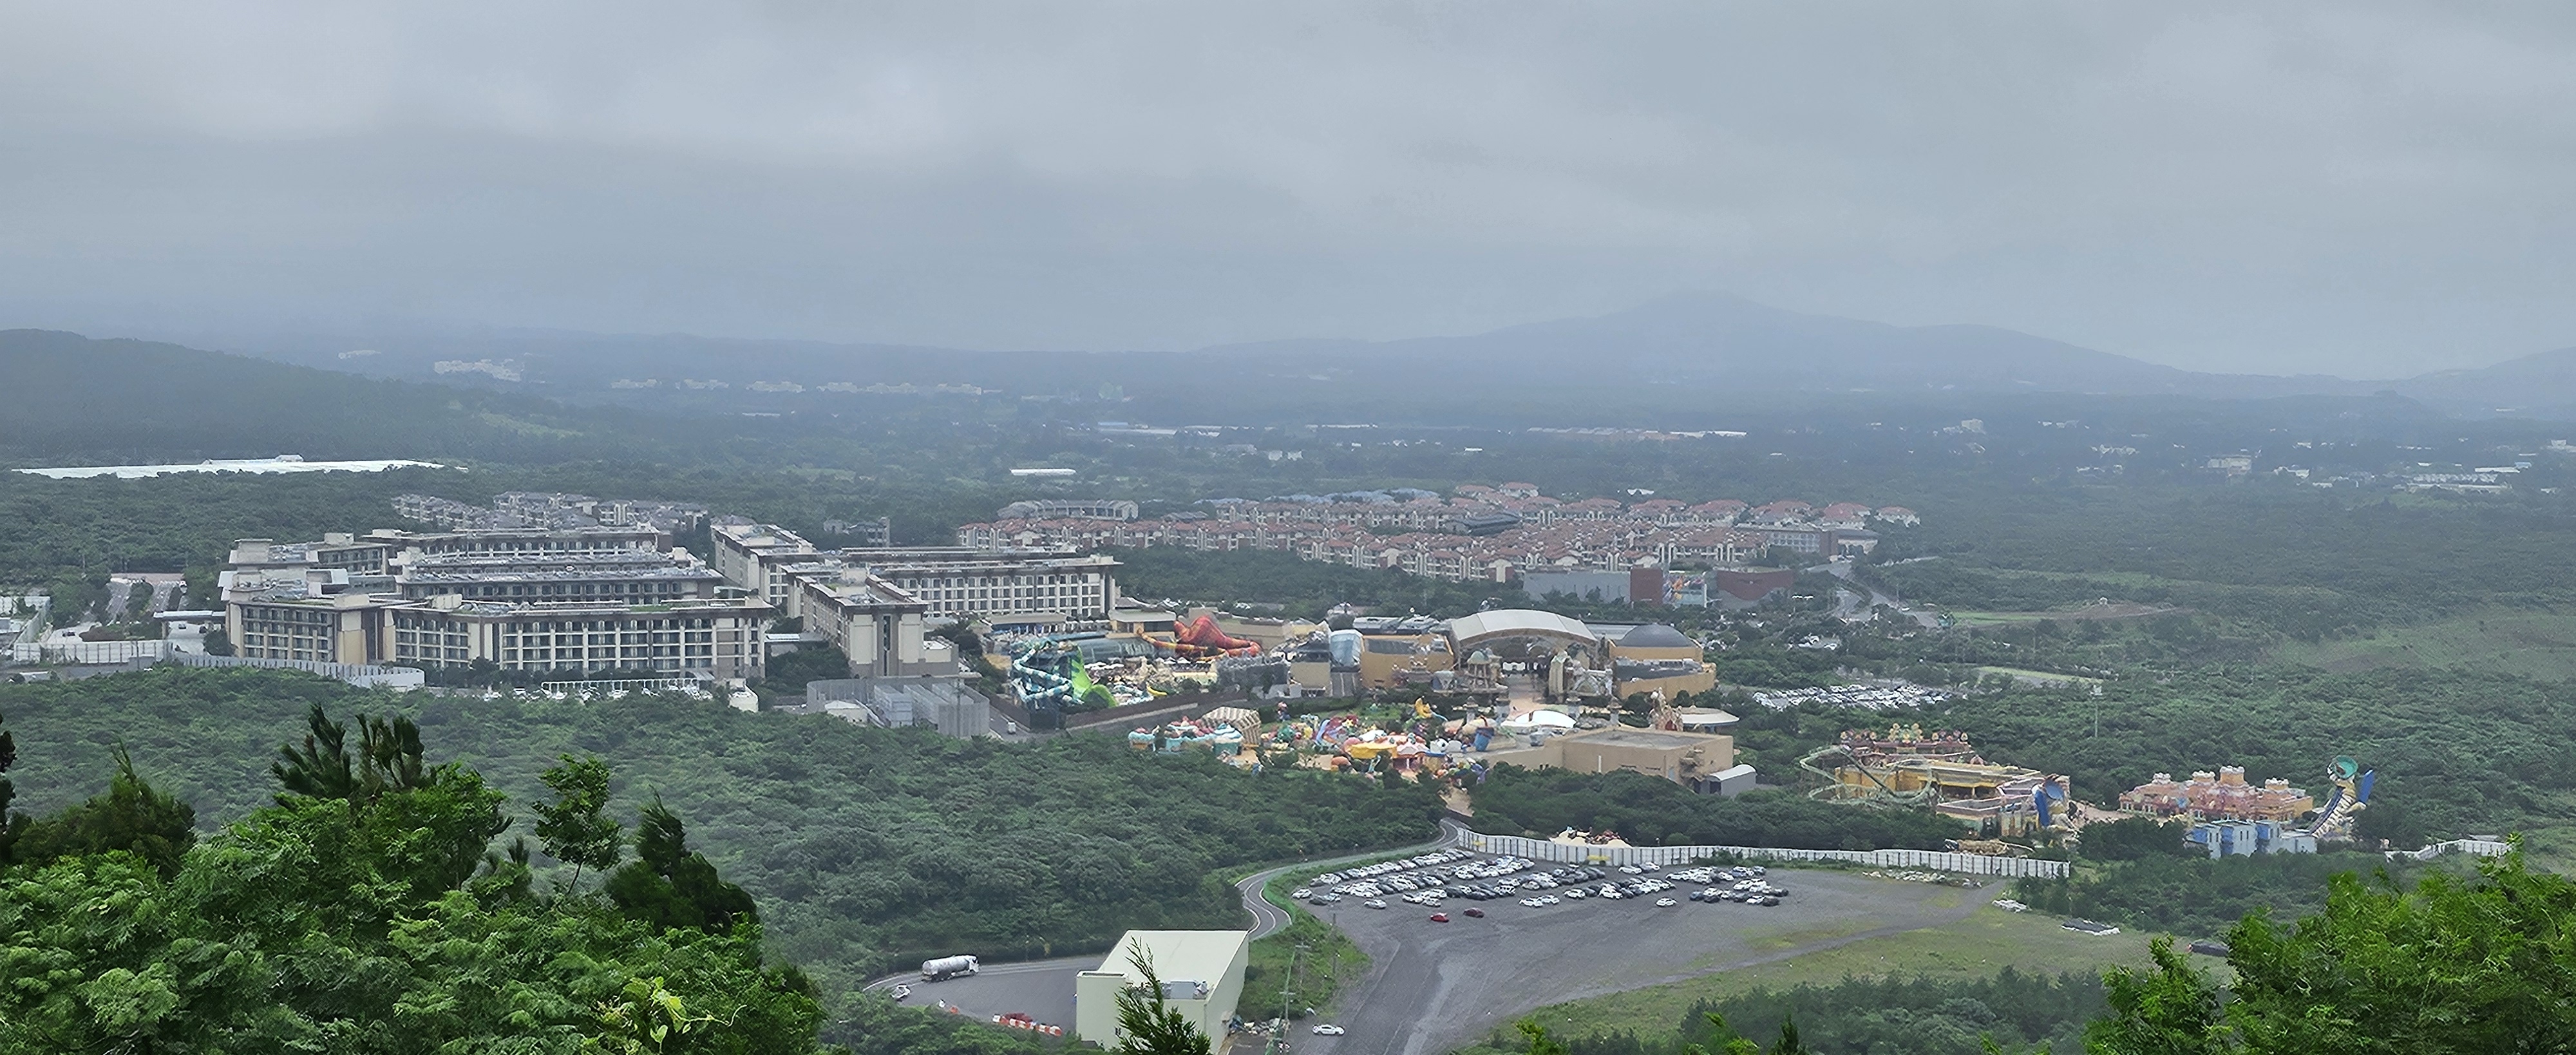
1202	973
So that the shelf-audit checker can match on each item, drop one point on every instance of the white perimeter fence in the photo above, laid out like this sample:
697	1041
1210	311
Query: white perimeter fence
1926	860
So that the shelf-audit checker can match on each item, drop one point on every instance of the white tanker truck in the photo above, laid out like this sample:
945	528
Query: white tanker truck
947	967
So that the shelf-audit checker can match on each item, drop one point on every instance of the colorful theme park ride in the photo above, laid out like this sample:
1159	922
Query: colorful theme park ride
1050	677
2351	796
1201	639
1907	767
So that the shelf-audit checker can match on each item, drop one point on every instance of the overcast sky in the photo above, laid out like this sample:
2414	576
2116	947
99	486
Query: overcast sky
2351	188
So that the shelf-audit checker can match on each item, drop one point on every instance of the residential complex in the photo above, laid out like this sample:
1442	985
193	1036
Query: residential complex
1004	586
1478	534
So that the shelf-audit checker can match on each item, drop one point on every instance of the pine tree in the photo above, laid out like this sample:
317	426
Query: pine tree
669	886
1146	1024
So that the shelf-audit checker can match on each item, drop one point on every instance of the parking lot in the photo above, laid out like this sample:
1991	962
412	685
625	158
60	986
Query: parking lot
1434	986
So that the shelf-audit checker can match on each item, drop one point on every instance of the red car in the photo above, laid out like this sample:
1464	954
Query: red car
1439	917
1476	912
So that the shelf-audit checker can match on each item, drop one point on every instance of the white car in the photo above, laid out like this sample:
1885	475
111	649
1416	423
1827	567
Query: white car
1665	902
1576	893
1550	899
1375	903
1327	1029
1301	893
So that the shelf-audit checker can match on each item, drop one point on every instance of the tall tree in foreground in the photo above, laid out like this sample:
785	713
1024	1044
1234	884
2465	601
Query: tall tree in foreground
10	823
575	828
671	886
1147	1025
388	759
2478	965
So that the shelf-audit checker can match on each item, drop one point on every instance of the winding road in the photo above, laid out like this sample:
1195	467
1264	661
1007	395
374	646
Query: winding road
1269	919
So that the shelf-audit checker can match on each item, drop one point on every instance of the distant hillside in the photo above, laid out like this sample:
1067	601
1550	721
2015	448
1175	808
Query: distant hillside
1728	342
77	400
2534	386
1674	352
1672	359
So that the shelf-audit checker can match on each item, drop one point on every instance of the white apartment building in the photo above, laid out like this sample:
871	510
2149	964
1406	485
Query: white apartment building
998	585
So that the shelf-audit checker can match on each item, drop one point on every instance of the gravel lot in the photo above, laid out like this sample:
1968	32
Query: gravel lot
1435	986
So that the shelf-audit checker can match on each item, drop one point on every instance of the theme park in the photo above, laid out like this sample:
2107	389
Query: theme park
1410	695
1447	699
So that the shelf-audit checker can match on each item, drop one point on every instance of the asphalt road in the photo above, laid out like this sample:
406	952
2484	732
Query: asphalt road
1040	989
1843	570
1432	987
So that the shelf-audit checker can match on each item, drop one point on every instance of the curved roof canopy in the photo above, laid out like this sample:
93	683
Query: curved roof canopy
1656	635
1504	623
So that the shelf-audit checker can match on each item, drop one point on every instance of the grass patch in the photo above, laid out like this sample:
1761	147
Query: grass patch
2529	643
1328	961
1975	947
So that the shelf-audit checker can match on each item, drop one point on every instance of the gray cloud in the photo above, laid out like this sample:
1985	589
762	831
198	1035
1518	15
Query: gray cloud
2355	188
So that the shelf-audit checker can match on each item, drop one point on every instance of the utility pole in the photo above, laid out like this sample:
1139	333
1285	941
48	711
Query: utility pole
1290	985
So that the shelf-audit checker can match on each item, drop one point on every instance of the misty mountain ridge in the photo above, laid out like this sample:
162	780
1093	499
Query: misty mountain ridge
1709	341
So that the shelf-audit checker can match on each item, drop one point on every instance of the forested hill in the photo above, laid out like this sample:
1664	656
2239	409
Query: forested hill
74	400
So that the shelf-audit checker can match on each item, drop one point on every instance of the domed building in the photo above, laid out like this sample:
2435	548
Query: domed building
1656	657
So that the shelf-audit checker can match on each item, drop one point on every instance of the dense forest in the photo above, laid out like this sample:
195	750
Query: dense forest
2457	752
866	848
1651	811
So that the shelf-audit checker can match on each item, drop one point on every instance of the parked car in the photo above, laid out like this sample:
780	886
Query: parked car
1665	902
1439	917
1476	913
1375	902
1301	893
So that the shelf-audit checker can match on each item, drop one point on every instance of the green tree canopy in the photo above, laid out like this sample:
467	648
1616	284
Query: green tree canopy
575	827
358	924
2484	964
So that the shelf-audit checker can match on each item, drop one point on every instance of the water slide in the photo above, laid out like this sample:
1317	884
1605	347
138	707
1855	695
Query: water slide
2351	796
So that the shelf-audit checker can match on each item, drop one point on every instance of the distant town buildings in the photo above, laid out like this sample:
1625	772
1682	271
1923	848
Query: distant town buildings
1069	508
529	509
1489	534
